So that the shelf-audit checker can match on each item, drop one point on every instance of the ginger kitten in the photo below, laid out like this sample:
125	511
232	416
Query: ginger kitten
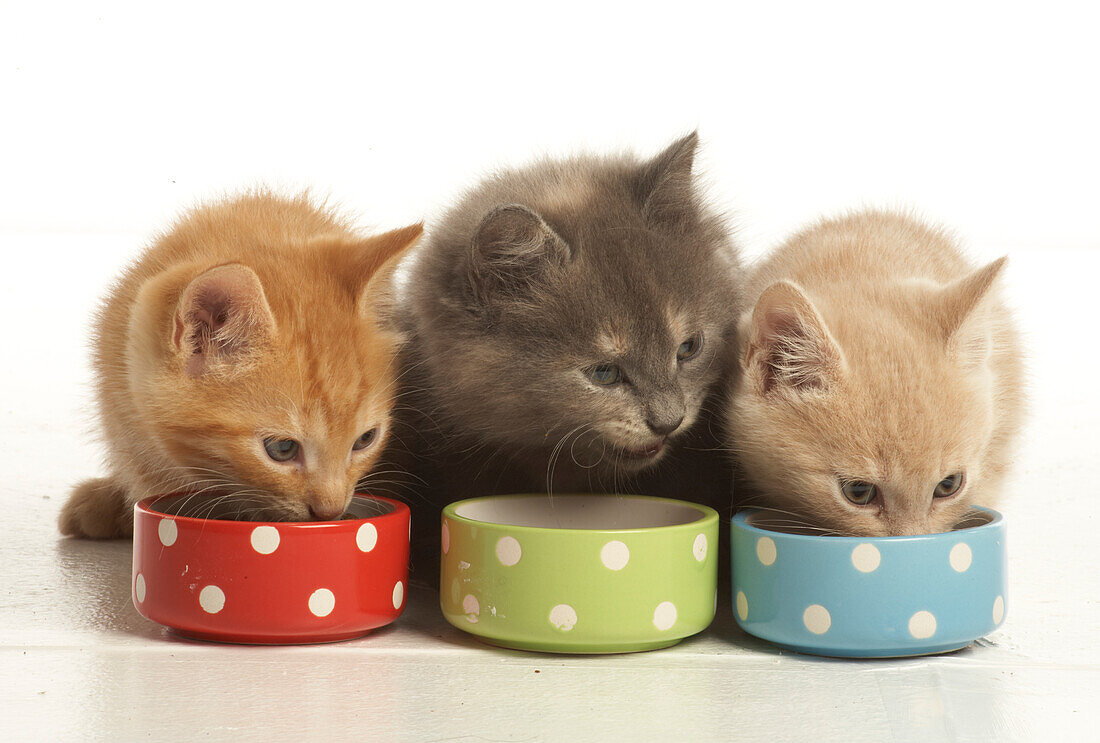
244	357
880	386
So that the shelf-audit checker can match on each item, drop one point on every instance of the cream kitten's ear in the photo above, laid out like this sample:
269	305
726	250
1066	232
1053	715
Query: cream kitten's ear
221	316
666	186
962	317
377	293
512	249
789	345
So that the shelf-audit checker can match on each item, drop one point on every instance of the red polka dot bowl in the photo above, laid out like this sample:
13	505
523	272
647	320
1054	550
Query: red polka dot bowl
271	582
869	597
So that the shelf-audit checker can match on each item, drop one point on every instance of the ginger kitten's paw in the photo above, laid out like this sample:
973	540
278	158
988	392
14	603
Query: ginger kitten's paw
97	509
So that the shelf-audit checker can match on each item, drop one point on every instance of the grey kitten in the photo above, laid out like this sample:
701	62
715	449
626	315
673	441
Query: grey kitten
567	322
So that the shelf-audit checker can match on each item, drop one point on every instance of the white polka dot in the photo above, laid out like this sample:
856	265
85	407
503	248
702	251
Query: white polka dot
508	551
615	555
167	532
866	557
998	609
471	608
265	539
211	599
664	616
742	606
765	550
322	602
817	619
139	588
960	557
922	625
366	537
398	594
564	617
445	538
699	547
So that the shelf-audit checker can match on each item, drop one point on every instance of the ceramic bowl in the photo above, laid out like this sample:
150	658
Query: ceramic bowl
869	597
271	583
579	573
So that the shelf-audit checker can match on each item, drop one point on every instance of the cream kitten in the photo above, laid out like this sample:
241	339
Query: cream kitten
880	380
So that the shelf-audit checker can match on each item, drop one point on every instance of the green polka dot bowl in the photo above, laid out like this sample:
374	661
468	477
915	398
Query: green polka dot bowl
579	573
869	597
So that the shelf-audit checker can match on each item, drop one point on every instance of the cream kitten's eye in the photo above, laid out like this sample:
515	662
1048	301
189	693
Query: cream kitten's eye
281	450
859	492
949	485
365	440
690	347
605	374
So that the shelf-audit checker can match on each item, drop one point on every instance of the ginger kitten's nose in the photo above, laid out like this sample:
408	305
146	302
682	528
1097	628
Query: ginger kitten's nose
326	510
664	428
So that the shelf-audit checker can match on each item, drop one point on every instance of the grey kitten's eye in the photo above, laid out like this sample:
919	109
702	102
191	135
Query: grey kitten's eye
949	485
365	440
281	450
690	347
859	492
605	374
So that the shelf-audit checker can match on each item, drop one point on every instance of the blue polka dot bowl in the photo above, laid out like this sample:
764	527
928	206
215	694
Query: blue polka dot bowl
579	573
869	597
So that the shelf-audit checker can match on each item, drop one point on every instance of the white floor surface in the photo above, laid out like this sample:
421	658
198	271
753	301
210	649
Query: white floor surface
78	663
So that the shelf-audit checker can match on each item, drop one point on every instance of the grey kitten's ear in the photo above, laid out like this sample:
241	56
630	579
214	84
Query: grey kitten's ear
960	315
512	250
666	186
222	317
788	345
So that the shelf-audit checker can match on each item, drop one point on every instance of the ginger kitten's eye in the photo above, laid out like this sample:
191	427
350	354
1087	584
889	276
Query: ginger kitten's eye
365	440
605	374
281	450
690	347
949	486
859	492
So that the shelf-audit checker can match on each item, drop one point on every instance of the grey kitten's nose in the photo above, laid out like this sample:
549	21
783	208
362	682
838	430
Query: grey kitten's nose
664	428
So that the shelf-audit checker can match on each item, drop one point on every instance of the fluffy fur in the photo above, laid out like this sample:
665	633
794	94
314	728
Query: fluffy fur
534	278
873	352
251	319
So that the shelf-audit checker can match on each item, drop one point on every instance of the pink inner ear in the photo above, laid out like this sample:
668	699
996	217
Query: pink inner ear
219	313
212	307
792	355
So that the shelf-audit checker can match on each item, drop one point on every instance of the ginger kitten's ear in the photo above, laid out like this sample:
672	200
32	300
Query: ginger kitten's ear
666	186
960	314
221	316
789	347
383	253
512	249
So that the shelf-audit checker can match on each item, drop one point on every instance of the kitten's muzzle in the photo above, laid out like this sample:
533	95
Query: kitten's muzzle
647	451
325	511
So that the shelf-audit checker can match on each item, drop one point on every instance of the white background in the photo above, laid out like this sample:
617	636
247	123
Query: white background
114	117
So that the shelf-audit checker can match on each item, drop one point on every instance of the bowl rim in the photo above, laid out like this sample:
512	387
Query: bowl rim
739	522
145	507
707	515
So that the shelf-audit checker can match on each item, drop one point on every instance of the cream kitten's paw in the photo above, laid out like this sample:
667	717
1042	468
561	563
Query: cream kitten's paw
98	508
